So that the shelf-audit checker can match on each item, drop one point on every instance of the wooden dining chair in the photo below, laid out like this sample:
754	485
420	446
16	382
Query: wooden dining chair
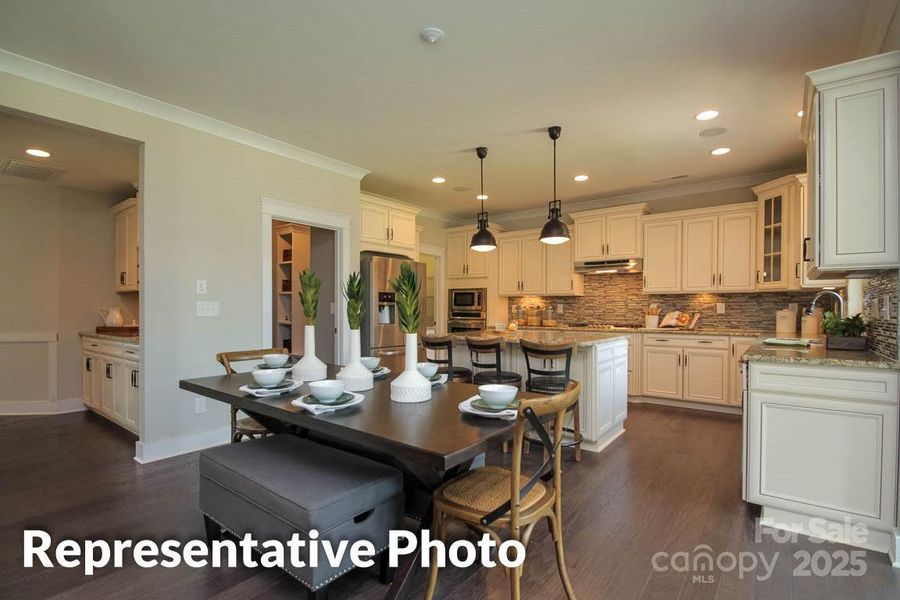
439	350
544	377
245	426
493	499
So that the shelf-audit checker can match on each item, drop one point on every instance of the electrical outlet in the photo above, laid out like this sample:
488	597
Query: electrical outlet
201	286
560	308
207	309
199	405
886	307
720	308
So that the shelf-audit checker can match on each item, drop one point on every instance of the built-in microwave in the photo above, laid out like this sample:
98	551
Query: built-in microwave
469	300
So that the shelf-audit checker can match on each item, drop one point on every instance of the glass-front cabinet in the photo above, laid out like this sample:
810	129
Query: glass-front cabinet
773	251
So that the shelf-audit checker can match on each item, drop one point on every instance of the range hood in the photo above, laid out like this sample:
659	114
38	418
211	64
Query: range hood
628	265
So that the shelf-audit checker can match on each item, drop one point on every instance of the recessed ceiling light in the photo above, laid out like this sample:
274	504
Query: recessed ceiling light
38	152
799	113
581	178
720	151
707	115
438	180
481	197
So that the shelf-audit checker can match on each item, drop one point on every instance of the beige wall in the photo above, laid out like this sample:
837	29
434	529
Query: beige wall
58	266
201	220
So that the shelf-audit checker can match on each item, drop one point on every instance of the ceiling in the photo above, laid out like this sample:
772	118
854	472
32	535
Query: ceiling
353	81
92	160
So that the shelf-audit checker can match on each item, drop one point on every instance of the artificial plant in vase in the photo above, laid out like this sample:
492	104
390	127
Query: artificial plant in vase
309	368
355	375
844	333
410	385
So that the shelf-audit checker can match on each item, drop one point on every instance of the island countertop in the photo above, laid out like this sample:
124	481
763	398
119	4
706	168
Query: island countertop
819	355
546	336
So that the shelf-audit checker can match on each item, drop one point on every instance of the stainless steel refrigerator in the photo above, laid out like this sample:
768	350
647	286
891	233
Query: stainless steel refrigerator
381	335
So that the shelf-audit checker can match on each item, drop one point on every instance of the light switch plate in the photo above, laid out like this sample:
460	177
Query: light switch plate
201	286
720	308
199	405
207	309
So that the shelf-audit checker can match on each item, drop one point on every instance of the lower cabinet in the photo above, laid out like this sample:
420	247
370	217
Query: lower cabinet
110	384
739	345
682	367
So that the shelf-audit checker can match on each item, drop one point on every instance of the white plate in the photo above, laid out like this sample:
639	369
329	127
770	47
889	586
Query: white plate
381	372
268	392
319	409
466	407
441	380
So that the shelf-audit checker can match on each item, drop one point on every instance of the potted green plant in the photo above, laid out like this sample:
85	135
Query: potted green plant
410	385
354	374
844	333
309	368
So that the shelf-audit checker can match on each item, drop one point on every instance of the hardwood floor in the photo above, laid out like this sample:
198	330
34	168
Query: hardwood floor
670	483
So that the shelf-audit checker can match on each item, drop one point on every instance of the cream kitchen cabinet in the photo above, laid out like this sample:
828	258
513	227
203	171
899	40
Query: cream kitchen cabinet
661	366
462	261
662	256
529	267
387	226
851	128
700	254
685	367
561	279
127	253
609	233
739	345
91	377
805	273
111	380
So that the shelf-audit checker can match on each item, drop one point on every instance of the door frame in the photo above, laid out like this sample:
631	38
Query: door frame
305	214
440	284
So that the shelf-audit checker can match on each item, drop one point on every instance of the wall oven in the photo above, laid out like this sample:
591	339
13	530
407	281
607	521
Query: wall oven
468	300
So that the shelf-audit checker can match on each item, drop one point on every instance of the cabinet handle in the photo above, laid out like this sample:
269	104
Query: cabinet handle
797	271
704	342
645	281
714	279
720	279
392	233
122	278
571	284
757	276
679	360
732	349
658	340
685	359
806	241
87	364
134	383
108	373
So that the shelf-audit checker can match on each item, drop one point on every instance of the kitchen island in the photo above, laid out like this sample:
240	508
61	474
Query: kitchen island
600	363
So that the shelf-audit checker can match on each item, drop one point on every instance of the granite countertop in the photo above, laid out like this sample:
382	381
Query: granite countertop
818	355
128	339
661	331
547	336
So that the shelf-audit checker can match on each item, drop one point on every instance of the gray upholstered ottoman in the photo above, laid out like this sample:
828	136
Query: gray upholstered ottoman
278	485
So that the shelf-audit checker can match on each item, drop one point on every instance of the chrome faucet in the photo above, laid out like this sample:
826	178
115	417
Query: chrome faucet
840	301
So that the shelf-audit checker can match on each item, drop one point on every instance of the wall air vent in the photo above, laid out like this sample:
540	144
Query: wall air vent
29	170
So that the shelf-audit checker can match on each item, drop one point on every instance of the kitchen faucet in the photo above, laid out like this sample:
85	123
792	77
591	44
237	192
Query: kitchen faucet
840	301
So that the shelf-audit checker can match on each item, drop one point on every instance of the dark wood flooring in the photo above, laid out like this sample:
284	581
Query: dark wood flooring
670	483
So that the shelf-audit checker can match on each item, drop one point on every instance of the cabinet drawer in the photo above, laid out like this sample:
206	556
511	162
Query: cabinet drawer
91	344
131	352
111	348
845	384
686	341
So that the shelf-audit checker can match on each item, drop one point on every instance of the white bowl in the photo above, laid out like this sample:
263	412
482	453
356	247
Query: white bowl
370	362
326	391
275	360
269	377
497	395
427	369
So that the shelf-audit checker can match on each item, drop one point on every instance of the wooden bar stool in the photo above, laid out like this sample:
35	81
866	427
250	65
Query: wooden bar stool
245	426
444	344
481	347
545	378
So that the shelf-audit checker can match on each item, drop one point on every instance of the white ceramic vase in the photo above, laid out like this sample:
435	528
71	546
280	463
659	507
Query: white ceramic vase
410	385
356	377
309	368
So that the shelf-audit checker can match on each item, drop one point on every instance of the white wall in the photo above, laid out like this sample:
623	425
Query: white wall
201	220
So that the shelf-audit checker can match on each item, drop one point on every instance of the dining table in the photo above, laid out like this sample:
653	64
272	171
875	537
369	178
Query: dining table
430	442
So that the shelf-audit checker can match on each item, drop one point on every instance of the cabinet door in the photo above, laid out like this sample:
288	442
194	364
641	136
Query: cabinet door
634	364
706	375
859	190
457	252
623	236
736	368
620	385
699	268
131	248
662	256
560	270
510	256
772	250
108	387
662	372
737	252
89	366
533	265
476	262
590	239
131	385
402	229
806	251
373	223
121	252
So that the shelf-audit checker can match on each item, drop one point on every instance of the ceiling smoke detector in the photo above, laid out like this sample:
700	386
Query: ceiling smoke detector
431	35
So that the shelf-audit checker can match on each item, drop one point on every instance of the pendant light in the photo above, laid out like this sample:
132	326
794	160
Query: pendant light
554	230
483	240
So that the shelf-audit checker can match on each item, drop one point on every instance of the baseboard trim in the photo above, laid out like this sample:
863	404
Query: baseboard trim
894	550
41	407
603	442
731	410
146	452
788	520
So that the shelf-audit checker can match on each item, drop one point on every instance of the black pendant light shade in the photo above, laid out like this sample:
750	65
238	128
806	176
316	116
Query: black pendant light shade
554	230
483	240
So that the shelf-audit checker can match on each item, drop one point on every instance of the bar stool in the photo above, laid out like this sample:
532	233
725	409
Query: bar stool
545	378
437	344
480	347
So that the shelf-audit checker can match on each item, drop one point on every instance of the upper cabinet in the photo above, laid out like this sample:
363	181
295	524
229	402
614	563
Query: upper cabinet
608	233
662	256
462	261
127	273
851	128
387	226
529	267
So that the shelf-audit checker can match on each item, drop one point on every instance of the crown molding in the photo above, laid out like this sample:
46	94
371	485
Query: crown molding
44	73
648	195
429	213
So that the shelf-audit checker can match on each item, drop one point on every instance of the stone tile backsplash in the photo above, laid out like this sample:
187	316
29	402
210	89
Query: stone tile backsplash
618	299
882	327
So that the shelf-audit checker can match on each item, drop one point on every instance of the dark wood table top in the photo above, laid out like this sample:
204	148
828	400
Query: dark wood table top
432	433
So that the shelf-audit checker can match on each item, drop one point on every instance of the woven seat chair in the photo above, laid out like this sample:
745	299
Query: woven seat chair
493	499
480	348
443	345
245	426
545	378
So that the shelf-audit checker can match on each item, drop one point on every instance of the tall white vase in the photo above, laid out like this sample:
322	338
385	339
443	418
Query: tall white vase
410	385
309	368
355	375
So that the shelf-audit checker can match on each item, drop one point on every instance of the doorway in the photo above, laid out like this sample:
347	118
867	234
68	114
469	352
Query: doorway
434	289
